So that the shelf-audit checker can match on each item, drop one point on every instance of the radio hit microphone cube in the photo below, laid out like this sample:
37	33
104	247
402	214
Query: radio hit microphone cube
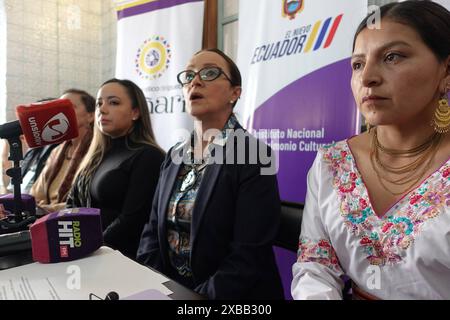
66	235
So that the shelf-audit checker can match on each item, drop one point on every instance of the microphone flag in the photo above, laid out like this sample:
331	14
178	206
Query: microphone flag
48	122
66	235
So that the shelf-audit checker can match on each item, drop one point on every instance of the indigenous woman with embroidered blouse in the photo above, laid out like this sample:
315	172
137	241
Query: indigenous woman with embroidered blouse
378	204
120	171
213	222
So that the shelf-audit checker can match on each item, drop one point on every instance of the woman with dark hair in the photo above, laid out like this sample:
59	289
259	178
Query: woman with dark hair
121	168
213	222
53	184
378	204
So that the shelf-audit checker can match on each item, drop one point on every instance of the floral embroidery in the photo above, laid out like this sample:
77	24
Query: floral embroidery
318	251
446	173
384	240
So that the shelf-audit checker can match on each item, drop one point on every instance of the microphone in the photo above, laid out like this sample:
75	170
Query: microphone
28	203
10	129
13	237
110	296
66	235
43	123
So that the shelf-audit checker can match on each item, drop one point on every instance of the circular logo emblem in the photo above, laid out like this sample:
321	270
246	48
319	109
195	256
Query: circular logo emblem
153	58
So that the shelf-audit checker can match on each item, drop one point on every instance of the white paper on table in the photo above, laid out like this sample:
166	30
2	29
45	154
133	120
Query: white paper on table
103	271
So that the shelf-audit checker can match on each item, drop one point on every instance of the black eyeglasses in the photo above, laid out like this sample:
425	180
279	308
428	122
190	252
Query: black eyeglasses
206	74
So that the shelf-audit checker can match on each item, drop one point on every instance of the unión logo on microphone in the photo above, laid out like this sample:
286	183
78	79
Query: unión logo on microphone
55	128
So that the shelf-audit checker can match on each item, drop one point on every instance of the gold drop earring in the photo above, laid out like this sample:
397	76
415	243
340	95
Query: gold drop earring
441	119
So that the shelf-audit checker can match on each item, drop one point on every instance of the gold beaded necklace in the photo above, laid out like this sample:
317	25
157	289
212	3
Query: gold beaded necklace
408	174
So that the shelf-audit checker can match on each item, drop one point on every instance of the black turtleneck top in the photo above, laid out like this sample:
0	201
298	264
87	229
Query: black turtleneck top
122	188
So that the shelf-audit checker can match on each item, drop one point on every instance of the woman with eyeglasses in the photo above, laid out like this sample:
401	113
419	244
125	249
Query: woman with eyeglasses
120	171
216	211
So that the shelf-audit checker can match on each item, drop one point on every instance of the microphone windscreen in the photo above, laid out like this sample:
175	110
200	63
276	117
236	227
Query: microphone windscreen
10	130
48	122
66	235
28	203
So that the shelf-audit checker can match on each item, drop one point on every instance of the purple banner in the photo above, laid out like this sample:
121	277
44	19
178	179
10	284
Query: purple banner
151	6
314	110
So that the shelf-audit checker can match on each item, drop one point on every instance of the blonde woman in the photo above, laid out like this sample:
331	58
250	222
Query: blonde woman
121	169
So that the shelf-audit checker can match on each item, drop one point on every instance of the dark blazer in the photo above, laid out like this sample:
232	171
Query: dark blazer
234	224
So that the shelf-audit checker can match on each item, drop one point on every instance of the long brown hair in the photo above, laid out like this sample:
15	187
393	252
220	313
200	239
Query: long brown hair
141	133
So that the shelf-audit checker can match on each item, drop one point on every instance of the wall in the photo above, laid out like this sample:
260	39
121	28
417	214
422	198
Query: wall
53	45
109	41
48	46
2	60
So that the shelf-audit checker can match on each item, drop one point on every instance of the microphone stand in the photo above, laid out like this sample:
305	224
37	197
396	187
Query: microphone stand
20	220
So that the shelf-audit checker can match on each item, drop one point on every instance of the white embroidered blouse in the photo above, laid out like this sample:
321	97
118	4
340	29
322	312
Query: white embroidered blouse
403	255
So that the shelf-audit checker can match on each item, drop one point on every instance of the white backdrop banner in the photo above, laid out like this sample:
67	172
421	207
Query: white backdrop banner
155	41
294	56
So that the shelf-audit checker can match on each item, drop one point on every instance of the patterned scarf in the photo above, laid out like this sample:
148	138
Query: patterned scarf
57	162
